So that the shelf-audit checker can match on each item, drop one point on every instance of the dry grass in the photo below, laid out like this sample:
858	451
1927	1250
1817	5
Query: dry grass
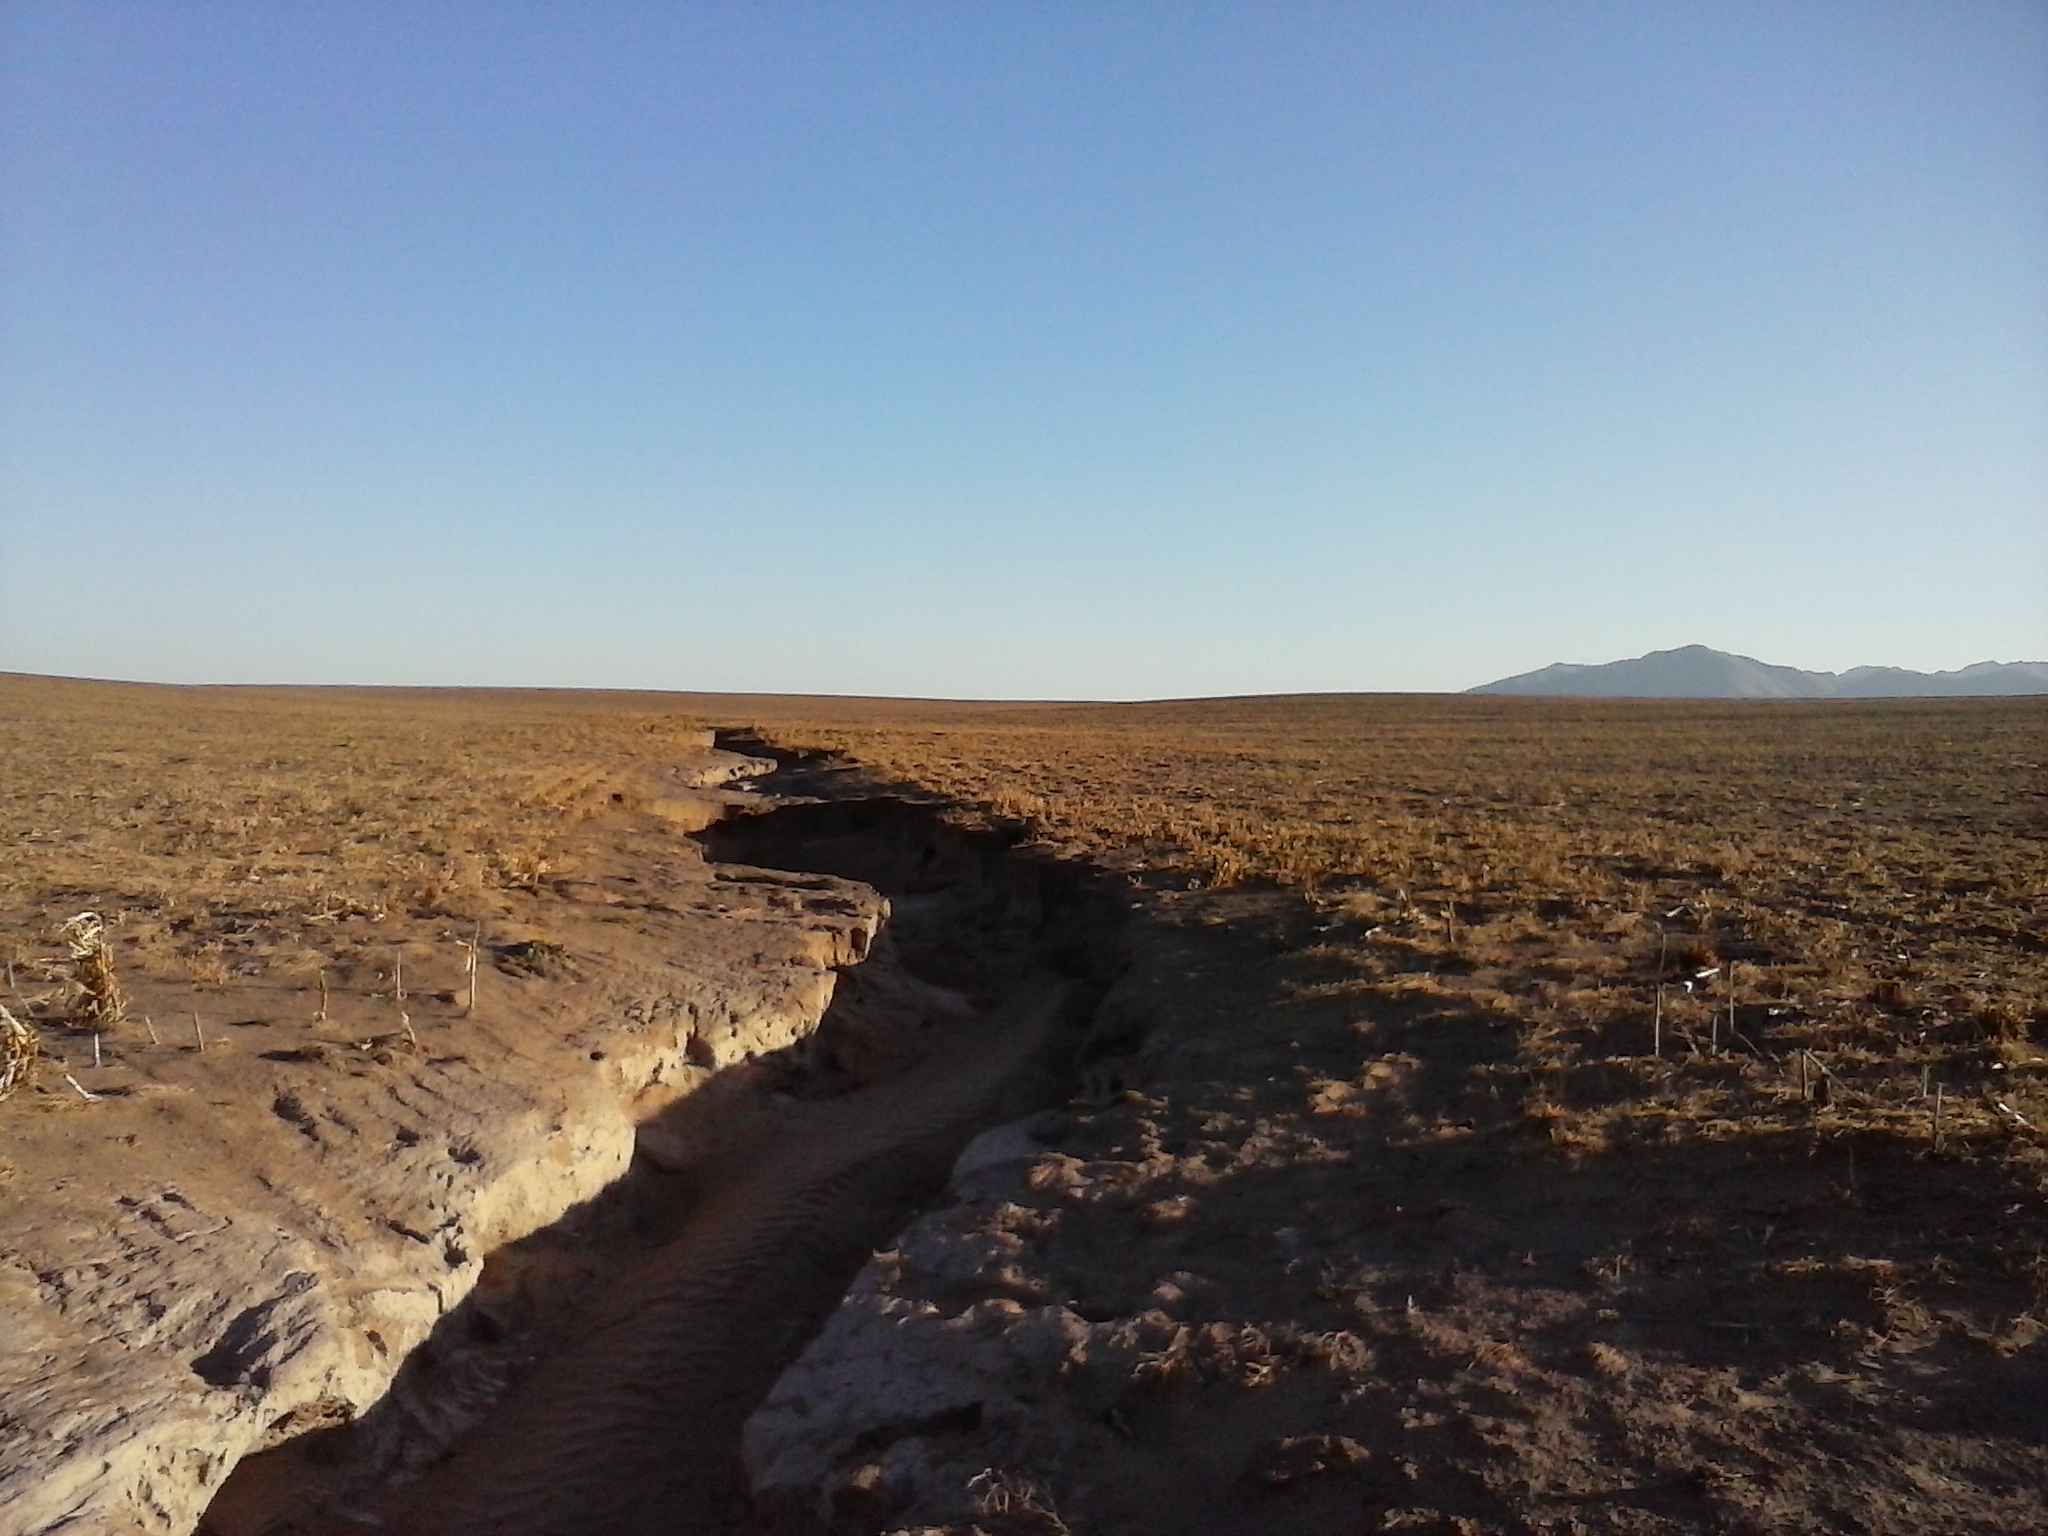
1721	1022
1409	1144
1862	884
214	830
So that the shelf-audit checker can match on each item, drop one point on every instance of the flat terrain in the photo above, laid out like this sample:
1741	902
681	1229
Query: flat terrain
1518	1114
1862	882
1609	1116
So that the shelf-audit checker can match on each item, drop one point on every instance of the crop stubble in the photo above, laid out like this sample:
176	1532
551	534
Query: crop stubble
1719	931
1865	880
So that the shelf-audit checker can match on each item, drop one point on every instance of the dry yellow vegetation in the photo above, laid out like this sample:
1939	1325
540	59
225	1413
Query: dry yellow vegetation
212	827
1638	1106
1862	884
1653	1091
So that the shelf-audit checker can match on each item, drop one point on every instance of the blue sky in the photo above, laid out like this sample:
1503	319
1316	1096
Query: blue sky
1018	349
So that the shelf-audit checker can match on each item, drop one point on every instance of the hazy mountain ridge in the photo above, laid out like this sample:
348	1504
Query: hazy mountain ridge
1699	672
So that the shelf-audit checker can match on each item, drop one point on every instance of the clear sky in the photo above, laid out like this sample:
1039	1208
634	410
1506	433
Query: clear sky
1018	348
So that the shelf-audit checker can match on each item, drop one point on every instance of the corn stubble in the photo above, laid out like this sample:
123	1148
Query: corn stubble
98	1002
1657	1090
1680	908
1720	933
211	830
19	1048
1672	904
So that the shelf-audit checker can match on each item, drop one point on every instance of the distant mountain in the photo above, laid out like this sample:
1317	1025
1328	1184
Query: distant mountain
1695	672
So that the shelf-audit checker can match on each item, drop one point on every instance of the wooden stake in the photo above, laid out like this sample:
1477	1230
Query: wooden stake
1657	1023
321	1016
198	1034
95	1048
476	944
150	1025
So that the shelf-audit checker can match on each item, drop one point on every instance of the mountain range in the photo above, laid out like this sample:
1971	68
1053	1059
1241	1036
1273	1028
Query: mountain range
1696	672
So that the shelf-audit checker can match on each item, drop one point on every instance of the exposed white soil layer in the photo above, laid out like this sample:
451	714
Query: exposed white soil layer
632	1426
235	1247
595	1376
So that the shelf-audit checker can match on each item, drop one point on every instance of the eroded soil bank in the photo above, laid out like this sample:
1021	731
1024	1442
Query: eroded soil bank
1306	1266
598	1377
232	1214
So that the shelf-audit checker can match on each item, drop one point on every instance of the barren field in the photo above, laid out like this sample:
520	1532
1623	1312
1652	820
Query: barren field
1508	1115
1618	1117
1860	883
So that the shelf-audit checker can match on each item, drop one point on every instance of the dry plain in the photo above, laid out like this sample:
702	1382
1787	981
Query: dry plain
1508	1115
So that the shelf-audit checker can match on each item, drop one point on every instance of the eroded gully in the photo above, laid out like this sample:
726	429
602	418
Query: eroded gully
616	1406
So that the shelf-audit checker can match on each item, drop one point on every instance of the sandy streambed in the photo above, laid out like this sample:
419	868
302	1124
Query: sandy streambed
633	1426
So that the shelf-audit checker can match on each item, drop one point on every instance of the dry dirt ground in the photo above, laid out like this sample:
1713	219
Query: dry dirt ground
1318	1268
1512	1115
